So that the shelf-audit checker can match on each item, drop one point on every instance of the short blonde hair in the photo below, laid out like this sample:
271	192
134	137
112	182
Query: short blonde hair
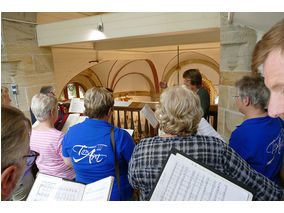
97	102
270	41
42	104
15	135
179	111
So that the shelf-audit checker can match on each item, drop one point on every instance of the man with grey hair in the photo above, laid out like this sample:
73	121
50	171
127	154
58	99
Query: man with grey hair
259	139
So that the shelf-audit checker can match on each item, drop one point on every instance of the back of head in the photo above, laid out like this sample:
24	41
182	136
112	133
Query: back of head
97	102
15	136
179	111
194	76
270	41
42	104
47	89
254	88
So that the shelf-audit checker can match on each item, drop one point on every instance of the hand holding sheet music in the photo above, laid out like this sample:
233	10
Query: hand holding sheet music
184	179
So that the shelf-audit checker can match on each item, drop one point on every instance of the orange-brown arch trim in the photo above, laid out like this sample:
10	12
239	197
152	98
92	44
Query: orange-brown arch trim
153	69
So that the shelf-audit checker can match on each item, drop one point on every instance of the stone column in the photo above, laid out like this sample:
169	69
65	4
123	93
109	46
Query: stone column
23	62
236	46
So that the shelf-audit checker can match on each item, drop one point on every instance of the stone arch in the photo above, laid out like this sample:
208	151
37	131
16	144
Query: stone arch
152	67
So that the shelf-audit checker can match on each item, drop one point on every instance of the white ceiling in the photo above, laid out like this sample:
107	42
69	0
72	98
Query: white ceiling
262	21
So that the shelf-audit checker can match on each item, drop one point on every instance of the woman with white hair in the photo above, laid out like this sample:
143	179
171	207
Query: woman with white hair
46	140
179	114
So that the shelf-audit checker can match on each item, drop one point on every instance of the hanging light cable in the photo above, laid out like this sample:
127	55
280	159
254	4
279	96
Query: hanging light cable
178	67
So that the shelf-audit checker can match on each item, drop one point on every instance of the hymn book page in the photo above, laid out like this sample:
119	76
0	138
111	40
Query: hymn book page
185	180
99	190
76	105
47	188
149	115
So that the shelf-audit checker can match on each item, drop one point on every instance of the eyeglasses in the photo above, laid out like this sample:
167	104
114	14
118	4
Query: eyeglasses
235	96
31	158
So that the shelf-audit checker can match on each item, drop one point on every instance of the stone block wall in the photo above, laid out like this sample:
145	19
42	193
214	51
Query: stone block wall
22	61
237	43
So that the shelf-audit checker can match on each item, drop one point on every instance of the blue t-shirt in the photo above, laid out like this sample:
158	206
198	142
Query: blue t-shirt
260	142
89	146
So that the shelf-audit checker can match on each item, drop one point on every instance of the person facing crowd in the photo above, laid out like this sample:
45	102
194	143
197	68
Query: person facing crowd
259	139
193	80
179	114
15	150
88	147
46	140
5	98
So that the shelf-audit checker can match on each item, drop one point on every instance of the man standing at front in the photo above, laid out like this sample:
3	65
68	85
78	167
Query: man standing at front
193	80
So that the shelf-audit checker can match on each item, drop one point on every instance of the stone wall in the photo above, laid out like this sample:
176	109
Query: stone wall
22	61
237	43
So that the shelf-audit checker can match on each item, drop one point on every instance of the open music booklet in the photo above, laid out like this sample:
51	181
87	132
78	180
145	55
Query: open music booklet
51	188
185	179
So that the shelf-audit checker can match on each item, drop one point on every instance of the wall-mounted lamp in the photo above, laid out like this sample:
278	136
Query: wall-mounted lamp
100	27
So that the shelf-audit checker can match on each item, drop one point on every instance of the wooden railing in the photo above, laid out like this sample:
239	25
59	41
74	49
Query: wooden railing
131	118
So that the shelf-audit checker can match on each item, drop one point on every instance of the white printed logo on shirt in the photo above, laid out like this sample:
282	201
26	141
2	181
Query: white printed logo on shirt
93	152
275	146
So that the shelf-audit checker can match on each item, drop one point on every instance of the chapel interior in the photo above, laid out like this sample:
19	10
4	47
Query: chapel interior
130	53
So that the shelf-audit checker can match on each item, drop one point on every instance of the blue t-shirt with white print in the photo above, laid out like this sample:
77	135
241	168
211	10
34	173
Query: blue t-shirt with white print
89	146
259	141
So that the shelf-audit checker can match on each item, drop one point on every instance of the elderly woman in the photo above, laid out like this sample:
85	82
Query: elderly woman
88	144
46	140
179	113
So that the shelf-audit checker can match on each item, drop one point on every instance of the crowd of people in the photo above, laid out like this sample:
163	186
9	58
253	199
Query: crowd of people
254	155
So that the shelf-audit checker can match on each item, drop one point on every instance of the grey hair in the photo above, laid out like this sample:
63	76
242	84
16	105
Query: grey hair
254	88
97	102
46	89
15	136
179	111
42	104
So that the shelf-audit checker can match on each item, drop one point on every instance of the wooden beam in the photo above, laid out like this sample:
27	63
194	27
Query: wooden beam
122	25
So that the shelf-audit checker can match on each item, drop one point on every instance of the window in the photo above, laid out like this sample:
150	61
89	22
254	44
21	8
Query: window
72	90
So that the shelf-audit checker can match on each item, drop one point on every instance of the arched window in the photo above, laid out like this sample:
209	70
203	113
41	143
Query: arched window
72	90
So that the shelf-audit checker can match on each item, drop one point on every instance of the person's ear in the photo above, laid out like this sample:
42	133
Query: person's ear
8	181
109	112
246	101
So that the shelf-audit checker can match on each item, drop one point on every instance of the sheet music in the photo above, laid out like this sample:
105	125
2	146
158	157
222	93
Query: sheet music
72	118
77	105
149	115
53	188
183	179
99	190
122	103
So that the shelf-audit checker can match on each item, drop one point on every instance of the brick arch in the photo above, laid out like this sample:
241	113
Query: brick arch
152	89
152	67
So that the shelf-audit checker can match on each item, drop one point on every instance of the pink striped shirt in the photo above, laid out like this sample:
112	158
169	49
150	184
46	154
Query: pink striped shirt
50	161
